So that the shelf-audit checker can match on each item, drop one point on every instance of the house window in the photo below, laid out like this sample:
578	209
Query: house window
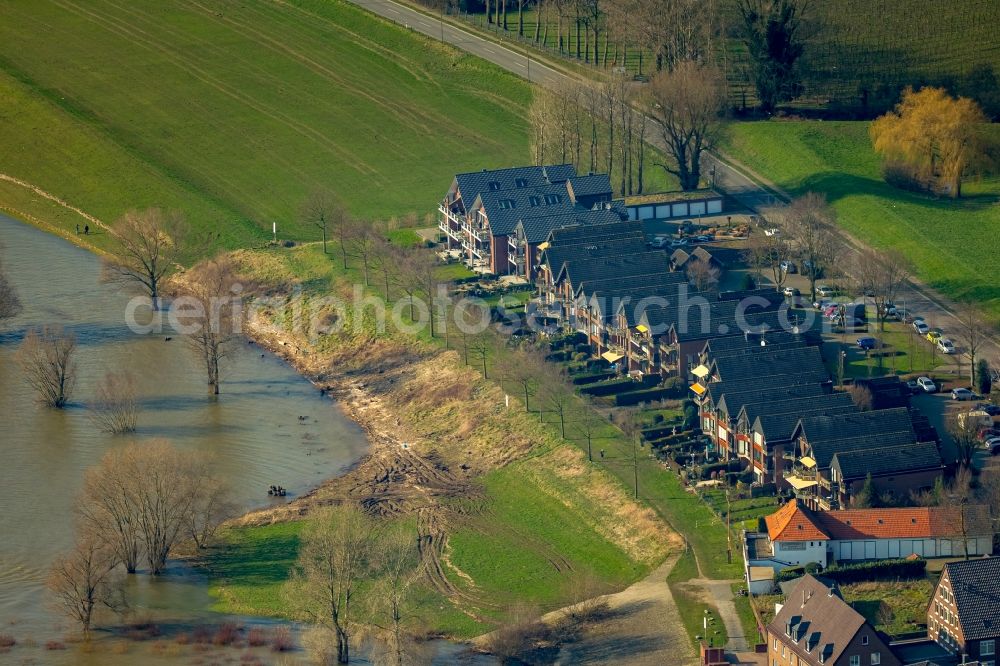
876	658
552	198
520	182
535	201
494	186
506	203
775	644
855	660
864	640
987	648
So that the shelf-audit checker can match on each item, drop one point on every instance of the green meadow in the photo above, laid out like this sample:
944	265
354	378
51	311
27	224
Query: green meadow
949	242
235	112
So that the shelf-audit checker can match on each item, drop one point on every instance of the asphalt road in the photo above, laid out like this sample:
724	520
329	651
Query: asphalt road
920	299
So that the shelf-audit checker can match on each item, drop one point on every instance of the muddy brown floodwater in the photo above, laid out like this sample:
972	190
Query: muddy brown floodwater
269	425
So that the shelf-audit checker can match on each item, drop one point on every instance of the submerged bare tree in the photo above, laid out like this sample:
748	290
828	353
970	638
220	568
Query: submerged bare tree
211	506
10	303
212	313
46	357
84	579
396	557
149	246
140	499
114	408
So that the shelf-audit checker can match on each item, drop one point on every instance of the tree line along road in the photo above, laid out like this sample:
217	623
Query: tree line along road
766	200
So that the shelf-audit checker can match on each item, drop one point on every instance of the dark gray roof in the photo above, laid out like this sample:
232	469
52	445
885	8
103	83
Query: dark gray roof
631	300
722	320
474	183
602	285
751	411
556	256
975	585
537	229
591	185
779	427
637	263
823	452
574	235
818	429
723	346
505	208
733	402
815	617
714	391
885	460
757	361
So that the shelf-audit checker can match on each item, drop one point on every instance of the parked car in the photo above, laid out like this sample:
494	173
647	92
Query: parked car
822	304
659	241
854	322
993	446
927	384
790	292
908	316
989	408
705	238
962	394
914	386
934	334
824	290
773	231
920	327
867	343
788	266
946	346
678	242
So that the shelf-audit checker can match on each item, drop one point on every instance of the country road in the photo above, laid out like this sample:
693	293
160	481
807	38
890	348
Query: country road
734	180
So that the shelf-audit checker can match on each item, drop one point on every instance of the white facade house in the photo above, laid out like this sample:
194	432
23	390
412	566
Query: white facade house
797	535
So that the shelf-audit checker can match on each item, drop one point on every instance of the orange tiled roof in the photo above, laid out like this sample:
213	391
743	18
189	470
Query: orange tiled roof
905	523
796	523
793	522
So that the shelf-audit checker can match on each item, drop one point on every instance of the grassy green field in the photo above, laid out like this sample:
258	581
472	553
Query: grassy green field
691	605
858	52
950	243
233	113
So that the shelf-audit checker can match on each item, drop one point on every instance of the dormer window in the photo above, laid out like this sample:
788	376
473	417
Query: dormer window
506	204
535	201
520	182
552	199
494	186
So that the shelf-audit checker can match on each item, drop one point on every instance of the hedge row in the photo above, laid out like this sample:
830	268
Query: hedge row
647	395
877	570
608	388
593	377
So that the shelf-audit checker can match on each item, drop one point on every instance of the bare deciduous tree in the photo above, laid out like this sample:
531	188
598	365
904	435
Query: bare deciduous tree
114	408
881	273
688	102
973	333
702	275
210	507
139	501
765	252
149	245
335	556
809	222
861	396
965	436
10	303
84	579
212	314
46	358
397	560
322	209
365	242
517	636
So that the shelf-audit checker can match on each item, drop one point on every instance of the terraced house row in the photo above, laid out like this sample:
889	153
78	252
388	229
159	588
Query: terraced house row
755	370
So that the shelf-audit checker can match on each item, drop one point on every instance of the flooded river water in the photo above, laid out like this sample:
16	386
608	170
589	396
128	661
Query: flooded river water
269	426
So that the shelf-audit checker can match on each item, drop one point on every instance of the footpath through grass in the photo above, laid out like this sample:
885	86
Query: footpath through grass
950	243
234	112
